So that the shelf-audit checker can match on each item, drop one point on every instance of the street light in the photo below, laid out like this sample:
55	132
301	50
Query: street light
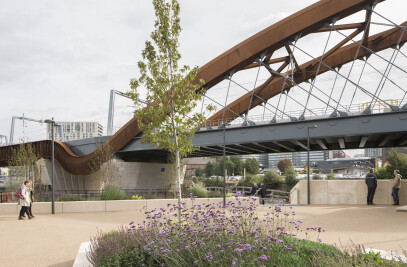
223	126
52	125
308	180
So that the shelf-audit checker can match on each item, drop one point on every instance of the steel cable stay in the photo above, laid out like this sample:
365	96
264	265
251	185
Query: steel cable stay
264	101
389	67
254	87
318	69
371	51
291	65
352	82
383	79
330	95
216	102
294	83
356	88
320	90
226	99
365	33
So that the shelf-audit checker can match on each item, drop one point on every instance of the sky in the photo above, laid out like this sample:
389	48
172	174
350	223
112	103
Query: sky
61	58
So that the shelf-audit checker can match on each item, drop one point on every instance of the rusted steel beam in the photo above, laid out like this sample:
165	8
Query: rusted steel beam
342	56
342	27
269	62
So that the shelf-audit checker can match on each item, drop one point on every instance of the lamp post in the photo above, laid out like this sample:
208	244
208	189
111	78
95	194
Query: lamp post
223	126
52	125
308	179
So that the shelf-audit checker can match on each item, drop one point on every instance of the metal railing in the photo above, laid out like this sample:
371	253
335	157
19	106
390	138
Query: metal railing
354	109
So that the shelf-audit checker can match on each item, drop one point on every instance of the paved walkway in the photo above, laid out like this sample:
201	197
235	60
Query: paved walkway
54	240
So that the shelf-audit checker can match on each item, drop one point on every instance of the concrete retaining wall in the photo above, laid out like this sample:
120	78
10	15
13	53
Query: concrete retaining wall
338	192
103	206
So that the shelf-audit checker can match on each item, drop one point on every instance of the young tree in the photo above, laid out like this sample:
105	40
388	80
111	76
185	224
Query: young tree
168	122
238	165
104	170
284	164
272	180
290	177
252	166
211	168
23	166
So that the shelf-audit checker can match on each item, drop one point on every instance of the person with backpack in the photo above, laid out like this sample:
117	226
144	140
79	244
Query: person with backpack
24	201
396	184
371	182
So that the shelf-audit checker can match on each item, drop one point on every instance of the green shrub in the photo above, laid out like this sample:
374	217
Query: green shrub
272	180
330	176
198	191
213	182
250	180
113	193
290	176
316	177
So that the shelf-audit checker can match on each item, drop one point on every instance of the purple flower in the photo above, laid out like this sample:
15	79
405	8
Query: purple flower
238	250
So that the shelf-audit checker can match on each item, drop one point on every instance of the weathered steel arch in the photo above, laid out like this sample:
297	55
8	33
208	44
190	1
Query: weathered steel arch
242	56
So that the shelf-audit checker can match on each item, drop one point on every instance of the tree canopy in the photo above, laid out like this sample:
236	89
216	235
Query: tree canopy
283	164
252	166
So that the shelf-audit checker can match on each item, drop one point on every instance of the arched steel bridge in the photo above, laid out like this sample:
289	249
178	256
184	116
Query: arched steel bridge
278	54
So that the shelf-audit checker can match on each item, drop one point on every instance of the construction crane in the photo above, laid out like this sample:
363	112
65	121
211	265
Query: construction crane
13	122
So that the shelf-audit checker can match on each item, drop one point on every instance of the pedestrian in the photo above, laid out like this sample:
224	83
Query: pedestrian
30	188
371	181
396	184
262	192
254	189
25	201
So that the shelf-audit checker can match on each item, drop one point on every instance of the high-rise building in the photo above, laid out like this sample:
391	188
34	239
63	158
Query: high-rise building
299	159
261	158
71	130
372	152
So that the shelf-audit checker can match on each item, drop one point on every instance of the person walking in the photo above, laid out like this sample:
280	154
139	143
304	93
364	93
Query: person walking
25	201
396	184
30	188
371	181
254	189
262	192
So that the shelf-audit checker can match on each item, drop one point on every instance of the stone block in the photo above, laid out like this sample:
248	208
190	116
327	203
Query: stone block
9	208
319	192
121	205
342	192
83	206
303	192
160	203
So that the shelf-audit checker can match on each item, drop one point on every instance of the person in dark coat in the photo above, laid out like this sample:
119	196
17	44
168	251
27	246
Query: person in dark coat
254	189
371	181
262	193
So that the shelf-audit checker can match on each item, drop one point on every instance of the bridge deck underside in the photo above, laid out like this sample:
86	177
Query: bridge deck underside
353	132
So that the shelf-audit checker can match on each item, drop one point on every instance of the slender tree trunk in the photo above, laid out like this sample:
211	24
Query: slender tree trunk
178	176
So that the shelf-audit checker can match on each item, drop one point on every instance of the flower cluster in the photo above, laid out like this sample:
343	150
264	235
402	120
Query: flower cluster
237	234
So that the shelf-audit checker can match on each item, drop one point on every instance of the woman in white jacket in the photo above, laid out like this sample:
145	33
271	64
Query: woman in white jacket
24	202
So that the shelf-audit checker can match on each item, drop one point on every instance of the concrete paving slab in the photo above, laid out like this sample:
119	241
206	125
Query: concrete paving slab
54	240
